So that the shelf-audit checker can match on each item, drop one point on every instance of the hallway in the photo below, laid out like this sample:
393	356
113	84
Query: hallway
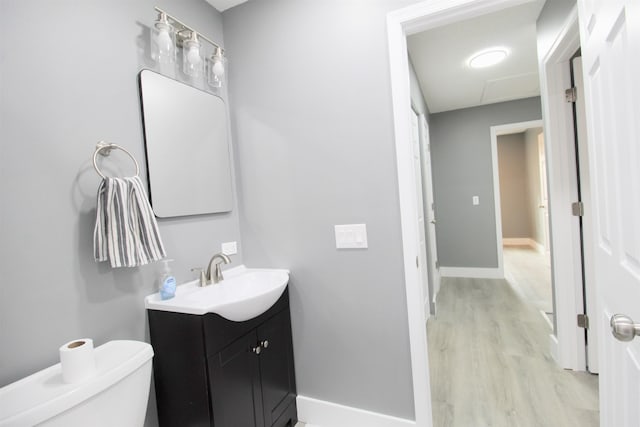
490	363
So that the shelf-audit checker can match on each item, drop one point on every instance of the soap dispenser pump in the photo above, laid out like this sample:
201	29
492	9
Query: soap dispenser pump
167	282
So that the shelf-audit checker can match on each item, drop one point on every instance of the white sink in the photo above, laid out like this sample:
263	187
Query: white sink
243	294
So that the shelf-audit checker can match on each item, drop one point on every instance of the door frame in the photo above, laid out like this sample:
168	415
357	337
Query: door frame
400	23
497	131
422	259
568	344
432	241
430	14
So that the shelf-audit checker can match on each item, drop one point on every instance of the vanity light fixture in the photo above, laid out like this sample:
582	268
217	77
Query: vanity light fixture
488	57
169	34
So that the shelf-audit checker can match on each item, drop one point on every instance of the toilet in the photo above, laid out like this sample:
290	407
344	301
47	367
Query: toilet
116	395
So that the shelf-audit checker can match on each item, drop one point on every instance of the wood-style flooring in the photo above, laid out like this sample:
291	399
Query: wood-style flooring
490	363
529	273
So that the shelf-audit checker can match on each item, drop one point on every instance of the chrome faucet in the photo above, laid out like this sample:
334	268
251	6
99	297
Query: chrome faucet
217	275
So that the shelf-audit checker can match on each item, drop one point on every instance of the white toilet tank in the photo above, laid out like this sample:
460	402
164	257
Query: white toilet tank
116	396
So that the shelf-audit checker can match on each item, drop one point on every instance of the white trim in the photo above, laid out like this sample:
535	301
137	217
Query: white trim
518	127
319	413
561	168
546	319
416	317
518	241
411	19
538	247
524	241
496	194
495	132
473	273
553	348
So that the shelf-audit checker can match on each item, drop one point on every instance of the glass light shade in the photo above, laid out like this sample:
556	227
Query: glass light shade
163	45
191	59
216	68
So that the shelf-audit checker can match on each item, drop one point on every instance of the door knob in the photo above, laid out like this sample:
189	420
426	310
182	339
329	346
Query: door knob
623	328
257	350
264	344
433	221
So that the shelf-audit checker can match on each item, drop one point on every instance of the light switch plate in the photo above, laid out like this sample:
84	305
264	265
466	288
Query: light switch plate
351	236
475	200
230	248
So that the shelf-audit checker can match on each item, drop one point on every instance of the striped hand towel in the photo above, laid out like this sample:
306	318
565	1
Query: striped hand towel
126	231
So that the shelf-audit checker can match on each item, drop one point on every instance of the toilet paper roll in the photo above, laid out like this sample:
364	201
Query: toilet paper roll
77	360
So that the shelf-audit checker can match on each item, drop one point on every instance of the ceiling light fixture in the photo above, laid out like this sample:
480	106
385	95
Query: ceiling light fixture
488	57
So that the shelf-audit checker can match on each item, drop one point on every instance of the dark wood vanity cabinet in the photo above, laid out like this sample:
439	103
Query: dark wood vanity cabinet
210	371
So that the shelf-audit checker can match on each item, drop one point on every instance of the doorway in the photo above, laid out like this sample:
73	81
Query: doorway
426	15
523	201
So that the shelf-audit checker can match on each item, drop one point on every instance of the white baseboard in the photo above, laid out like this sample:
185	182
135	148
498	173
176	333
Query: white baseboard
553	348
546	319
523	241
517	241
475	273
319	413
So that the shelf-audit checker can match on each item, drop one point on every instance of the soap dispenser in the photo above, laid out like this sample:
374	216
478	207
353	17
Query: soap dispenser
167	283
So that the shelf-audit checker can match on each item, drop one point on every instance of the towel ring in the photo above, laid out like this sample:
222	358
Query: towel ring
104	148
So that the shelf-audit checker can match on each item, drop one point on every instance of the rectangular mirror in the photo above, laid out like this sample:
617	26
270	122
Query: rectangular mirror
188	156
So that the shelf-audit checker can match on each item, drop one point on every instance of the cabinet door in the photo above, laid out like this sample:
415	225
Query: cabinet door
234	376
276	366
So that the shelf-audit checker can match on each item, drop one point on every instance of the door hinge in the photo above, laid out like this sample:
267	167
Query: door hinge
583	321
577	208
571	94
437	264
417	263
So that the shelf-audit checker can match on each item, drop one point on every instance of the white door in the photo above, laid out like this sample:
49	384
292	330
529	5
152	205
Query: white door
421	259
430	215
588	224
544	194
610	39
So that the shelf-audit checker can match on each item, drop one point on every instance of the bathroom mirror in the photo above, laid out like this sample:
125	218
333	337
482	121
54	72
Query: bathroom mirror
188	160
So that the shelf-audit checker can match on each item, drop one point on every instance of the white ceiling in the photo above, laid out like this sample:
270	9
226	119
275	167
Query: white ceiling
440	57
222	5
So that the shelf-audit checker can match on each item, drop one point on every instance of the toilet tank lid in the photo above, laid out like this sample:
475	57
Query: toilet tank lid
44	394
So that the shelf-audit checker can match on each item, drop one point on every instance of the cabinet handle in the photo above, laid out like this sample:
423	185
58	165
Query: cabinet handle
264	344
257	350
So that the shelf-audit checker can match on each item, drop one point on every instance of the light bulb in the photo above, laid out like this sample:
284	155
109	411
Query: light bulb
218	68
165	44
193	55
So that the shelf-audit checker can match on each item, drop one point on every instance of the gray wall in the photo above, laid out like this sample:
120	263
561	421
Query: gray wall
462	168
311	104
69	78
550	20
514	191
